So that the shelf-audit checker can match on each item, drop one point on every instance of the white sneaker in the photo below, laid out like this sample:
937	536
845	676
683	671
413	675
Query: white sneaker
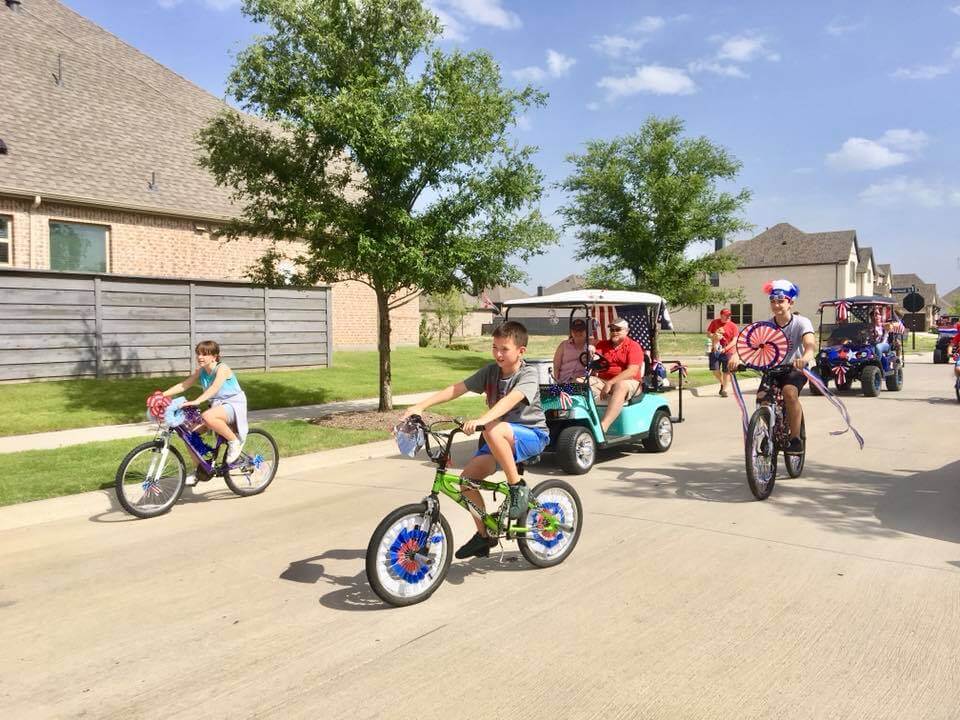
190	480
233	451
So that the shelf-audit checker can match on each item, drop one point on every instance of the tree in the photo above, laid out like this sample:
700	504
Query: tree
450	309
639	202
388	158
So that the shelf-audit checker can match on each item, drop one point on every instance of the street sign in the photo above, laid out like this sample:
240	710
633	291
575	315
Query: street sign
915	321
914	302
907	289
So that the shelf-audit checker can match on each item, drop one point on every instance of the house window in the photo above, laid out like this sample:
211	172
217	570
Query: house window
735	313
4	240
709	312
77	247
853	272
742	314
715	279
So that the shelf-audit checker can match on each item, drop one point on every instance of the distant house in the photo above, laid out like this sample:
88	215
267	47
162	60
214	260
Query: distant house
881	284
824	265
950	299
472	324
928	291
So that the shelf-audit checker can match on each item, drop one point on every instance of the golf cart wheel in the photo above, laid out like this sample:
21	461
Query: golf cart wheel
939	356
814	390
956	389
576	450
870	378
794	463
895	381
761	455
661	433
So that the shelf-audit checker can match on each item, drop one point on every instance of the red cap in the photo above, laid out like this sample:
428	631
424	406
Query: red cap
725	311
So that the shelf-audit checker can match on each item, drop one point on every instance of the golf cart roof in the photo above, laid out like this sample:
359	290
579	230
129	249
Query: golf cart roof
576	298
860	300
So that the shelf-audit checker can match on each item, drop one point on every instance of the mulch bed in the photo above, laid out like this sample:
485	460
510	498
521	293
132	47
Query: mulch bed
367	420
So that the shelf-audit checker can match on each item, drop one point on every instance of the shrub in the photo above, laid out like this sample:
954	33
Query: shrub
426	333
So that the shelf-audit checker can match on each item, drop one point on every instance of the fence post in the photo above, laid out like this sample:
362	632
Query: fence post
193	321
98	314
329	294
266	328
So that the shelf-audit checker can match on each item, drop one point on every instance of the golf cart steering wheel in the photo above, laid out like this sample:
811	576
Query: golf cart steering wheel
597	363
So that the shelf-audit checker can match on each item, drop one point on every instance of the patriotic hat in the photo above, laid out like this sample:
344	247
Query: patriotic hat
781	288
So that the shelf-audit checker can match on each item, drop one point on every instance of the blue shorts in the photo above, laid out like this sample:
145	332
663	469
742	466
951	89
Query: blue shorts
718	361
528	442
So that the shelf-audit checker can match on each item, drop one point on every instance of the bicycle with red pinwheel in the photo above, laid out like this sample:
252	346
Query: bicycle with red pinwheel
764	347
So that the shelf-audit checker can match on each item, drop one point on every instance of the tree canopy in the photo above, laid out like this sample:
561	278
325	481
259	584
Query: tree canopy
639	203
389	158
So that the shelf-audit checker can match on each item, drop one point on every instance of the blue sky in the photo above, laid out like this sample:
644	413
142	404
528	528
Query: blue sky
844	114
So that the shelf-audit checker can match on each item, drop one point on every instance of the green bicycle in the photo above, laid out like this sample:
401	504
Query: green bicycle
409	553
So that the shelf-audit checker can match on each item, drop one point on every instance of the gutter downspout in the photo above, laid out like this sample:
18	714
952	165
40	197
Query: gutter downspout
36	203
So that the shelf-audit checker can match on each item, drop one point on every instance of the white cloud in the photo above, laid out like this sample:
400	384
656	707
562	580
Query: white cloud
167	4
650	23
523	123
222	4
746	48
904	139
716	68
837	27
655	79
921	72
862	154
529	74
452	28
616	46
910	191
485	12
559	64
955	9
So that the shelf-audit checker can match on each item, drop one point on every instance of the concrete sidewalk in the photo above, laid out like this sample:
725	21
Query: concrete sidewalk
63	438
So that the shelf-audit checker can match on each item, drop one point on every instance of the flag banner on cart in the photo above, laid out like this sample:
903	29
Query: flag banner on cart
840	373
836	402
898	327
637	318
842	308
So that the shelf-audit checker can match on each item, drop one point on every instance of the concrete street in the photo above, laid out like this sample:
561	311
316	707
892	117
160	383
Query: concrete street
686	598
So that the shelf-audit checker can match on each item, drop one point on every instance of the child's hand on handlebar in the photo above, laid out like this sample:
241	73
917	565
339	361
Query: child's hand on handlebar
471	426
412	410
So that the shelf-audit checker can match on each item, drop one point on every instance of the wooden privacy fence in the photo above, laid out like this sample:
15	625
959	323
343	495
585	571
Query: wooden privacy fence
81	325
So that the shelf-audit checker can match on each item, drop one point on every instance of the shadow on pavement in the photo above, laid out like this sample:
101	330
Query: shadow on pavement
353	592
847	500
117	514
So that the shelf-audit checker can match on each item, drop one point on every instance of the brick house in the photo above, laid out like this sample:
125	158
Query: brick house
98	167
928	291
824	265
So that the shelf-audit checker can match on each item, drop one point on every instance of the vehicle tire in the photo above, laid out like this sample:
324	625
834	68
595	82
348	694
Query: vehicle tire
794	463
813	389
761	455
956	389
661	433
895	380
939	356
576	450
556	522
394	572
870	378
146	488
259	461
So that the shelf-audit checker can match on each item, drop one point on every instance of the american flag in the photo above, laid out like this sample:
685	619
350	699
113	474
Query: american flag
637	317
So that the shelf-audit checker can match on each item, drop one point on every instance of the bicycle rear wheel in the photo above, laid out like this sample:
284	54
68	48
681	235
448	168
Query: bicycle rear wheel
407	558
794	463
257	465
555	524
761	455
150	480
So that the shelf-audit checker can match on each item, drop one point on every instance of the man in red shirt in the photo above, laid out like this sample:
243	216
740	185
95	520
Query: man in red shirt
723	333
622	380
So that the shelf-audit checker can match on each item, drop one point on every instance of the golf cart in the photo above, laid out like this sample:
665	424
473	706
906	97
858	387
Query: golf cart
848	354
573	417
945	341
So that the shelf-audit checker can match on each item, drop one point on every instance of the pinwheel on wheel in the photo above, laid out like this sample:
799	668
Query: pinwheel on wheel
762	345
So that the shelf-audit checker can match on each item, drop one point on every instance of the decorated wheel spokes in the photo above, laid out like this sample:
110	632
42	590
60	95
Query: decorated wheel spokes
762	345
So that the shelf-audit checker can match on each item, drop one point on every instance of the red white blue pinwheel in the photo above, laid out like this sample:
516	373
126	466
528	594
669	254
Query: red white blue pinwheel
762	345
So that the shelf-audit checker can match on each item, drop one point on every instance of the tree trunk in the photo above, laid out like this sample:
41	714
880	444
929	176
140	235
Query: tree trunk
383	349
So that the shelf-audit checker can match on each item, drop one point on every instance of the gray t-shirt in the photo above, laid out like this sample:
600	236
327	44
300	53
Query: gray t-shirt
795	330
489	381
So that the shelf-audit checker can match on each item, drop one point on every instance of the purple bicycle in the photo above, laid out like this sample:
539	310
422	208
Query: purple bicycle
152	476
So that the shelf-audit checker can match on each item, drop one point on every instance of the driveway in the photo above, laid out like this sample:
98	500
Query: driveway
836	598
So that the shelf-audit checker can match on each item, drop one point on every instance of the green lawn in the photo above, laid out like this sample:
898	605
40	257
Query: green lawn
44	406
38	474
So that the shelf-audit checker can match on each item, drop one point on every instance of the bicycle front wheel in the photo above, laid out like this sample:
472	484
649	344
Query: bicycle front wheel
408	557
761	455
555	524
257	465
150	479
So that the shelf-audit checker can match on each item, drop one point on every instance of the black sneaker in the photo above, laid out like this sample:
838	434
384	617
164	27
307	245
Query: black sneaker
794	448
519	500
477	546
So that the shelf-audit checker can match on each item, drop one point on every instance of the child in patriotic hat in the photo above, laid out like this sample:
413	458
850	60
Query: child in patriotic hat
799	332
